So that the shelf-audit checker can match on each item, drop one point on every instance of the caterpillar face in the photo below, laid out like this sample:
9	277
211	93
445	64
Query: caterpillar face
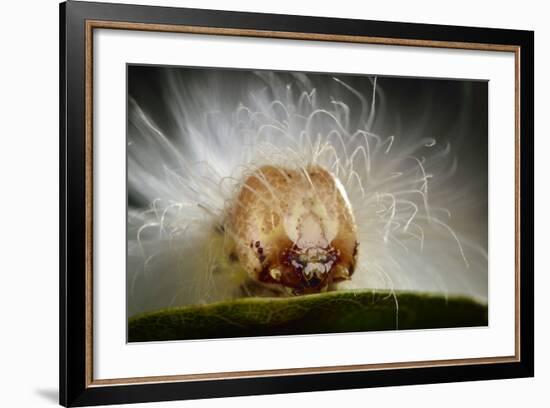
294	229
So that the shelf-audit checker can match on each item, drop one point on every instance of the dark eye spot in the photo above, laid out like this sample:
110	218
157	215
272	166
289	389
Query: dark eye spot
257	244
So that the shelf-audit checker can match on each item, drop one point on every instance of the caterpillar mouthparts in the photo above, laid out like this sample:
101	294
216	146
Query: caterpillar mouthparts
294	230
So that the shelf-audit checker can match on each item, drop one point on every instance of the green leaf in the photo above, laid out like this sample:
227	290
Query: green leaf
332	312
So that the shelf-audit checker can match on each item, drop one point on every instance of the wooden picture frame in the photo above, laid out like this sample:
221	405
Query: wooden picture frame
78	386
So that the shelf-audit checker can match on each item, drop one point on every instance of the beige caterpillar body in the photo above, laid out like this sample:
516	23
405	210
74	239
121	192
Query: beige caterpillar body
293	229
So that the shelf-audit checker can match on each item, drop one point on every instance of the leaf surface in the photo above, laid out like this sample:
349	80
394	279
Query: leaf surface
332	312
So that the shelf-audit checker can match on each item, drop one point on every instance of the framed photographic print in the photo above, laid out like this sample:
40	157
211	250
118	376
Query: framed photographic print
256	203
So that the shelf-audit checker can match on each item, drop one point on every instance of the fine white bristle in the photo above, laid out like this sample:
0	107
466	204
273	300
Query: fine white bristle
178	247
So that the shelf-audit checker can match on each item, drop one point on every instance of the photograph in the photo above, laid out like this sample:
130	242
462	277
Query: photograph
256	203
265	203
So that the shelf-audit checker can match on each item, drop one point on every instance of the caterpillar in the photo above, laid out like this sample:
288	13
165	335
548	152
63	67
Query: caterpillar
294	229
283	188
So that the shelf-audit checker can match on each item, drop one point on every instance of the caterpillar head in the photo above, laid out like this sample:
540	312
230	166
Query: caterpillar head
294	229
